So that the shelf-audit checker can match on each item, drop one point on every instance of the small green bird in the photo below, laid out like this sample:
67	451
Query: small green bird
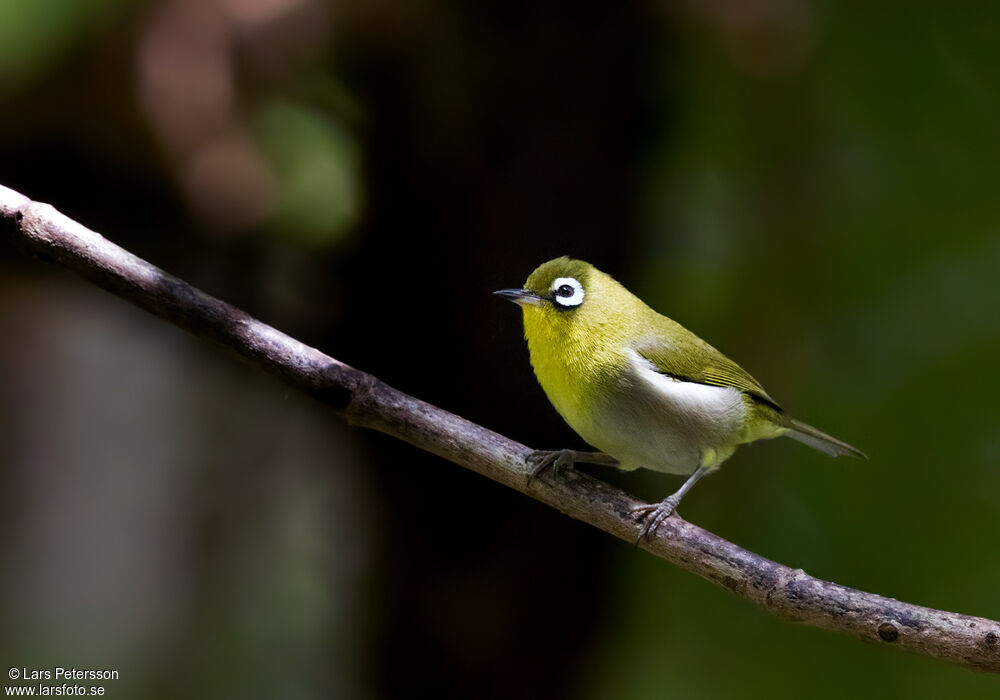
640	387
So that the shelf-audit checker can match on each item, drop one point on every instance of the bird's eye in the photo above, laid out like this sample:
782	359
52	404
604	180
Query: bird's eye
567	293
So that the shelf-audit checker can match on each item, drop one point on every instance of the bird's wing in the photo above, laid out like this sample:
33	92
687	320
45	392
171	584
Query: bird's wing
689	358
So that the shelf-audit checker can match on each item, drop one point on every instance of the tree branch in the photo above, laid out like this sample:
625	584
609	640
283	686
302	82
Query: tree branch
789	594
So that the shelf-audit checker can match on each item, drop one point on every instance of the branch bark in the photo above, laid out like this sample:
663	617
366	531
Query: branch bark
789	594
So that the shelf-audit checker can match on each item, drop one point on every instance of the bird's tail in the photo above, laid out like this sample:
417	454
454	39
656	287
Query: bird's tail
818	440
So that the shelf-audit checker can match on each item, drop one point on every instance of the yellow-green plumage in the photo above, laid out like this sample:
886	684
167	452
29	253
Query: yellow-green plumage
639	386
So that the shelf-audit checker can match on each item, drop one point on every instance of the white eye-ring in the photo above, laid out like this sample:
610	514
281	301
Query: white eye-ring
567	292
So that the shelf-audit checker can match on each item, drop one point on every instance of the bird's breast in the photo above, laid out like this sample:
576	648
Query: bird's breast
645	418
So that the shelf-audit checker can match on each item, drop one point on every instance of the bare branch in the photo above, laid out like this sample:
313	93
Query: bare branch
789	594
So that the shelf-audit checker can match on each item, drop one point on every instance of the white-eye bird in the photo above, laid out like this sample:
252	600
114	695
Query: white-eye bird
639	387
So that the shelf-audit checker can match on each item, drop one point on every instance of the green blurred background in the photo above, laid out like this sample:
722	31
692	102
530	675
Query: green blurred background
812	187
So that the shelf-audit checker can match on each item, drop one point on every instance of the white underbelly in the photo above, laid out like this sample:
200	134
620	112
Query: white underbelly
657	422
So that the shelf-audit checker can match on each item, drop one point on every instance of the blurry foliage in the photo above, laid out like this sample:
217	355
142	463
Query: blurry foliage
34	34
316	163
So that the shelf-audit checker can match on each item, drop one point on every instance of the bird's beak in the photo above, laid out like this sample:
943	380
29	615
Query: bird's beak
520	296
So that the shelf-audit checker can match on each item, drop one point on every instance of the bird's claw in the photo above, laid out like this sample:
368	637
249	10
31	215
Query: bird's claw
653	515
557	460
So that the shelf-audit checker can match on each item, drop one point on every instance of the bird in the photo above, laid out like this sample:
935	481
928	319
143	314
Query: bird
639	387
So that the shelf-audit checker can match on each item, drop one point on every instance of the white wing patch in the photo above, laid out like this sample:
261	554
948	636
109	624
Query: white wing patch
719	408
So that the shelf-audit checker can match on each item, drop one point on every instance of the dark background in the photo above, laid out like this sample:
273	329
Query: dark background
812	187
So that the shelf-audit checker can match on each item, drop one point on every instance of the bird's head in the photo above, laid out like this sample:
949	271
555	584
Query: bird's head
559	285
566	298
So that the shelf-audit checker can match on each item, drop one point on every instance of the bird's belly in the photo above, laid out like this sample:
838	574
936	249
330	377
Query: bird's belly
659	423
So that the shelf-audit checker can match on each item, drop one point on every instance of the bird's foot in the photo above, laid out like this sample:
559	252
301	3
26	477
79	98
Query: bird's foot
557	460
654	515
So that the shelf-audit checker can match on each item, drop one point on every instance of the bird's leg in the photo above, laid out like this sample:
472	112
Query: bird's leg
558	460
595	458
654	515
540	460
